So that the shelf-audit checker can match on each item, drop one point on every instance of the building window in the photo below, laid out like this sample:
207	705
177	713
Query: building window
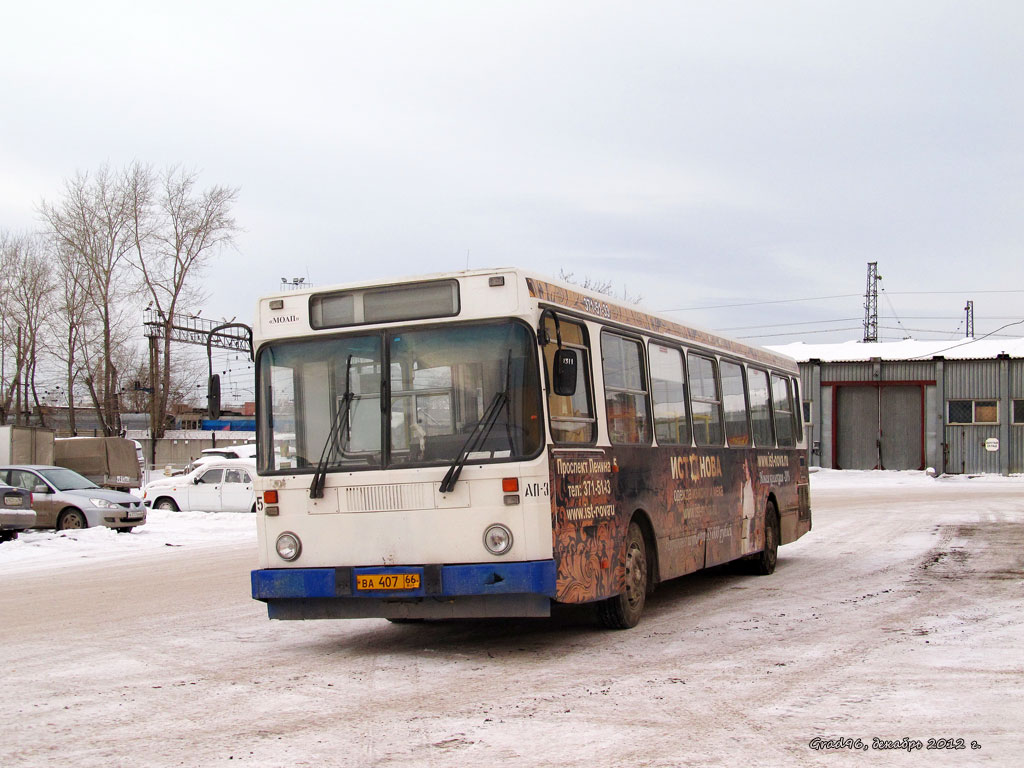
972	412
1018	411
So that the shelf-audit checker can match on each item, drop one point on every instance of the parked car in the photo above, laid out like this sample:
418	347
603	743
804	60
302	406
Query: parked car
15	512
220	485
243	451
64	499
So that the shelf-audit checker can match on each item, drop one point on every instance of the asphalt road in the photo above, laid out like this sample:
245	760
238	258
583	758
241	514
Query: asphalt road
899	616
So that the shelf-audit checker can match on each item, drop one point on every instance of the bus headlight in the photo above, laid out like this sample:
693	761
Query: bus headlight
288	546
498	539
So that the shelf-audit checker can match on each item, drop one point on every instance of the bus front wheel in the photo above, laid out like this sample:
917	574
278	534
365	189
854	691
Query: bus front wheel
623	611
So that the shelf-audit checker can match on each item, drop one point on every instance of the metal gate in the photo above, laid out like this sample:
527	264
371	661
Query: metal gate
879	427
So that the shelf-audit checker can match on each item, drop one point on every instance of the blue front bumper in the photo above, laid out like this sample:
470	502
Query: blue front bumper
535	578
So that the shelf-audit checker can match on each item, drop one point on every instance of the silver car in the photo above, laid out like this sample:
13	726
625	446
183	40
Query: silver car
63	499
15	512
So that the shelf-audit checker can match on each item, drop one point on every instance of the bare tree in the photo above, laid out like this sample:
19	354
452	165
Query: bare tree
600	286
72	326
176	229
28	286
91	222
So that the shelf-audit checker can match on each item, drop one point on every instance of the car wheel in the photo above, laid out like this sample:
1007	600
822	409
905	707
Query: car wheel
129	529
70	520
253	510
166	504
8	535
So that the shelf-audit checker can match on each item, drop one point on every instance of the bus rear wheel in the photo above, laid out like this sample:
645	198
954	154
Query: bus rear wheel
623	611
764	562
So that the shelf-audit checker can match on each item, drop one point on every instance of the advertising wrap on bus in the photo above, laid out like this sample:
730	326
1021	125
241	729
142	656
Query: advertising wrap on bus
710	504
484	443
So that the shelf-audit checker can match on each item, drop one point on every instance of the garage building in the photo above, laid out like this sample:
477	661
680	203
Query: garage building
957	406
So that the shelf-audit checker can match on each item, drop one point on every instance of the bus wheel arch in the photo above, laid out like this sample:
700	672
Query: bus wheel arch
623	611
641	518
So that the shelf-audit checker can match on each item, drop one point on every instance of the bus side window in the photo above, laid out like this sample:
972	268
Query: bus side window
798	412
760	410
668	390
705	400
625	389
782	403
734	400
571	416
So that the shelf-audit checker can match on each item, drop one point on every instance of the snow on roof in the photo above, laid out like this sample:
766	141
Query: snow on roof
908	349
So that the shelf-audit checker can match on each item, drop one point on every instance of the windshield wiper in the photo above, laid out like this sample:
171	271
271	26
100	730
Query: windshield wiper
338	425
480	432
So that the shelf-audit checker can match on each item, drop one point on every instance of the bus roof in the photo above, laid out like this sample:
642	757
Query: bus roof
548	291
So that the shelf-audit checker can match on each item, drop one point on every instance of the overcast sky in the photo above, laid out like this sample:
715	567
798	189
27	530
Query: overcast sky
696	153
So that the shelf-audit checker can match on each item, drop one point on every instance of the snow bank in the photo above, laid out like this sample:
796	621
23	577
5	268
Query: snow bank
166	531
163	530
908	349
845	479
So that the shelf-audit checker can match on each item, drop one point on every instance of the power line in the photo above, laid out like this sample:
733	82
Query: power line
798	333
960	292
760	303
894	314
837	296
969	341
788	325
938	330
959	317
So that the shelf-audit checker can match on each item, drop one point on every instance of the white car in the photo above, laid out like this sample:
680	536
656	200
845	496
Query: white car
221	485
243	451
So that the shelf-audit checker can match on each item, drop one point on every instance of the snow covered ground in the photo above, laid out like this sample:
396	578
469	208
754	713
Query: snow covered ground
42	549
194	530
898	617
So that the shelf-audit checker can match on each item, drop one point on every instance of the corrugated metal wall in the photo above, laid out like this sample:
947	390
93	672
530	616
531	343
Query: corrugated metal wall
847	372
1017	378
1016	430
902	370
967	454
972	379
961	380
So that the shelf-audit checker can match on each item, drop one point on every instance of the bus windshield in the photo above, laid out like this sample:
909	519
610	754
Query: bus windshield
440	384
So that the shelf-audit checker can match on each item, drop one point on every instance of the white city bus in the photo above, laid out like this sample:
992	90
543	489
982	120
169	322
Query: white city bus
484	443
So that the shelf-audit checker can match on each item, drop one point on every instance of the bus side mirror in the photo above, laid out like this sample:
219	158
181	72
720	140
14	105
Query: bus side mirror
564	373
213	397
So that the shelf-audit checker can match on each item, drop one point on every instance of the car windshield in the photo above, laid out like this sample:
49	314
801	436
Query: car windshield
66	480
329	397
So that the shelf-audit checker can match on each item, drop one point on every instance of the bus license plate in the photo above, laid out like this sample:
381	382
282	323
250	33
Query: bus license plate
372	581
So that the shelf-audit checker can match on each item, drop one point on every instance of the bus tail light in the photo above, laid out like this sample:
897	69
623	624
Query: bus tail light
510	485
270	497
